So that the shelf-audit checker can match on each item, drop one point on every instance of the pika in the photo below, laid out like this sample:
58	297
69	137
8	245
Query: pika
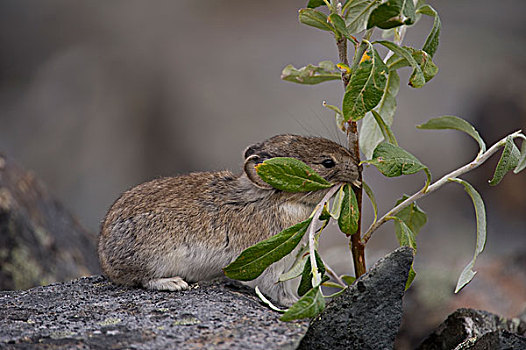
167	232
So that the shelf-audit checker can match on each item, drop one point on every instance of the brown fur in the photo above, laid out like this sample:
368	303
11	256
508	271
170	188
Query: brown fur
192	226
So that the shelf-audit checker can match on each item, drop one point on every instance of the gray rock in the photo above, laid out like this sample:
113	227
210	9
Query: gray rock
40	241
368	314
476	329
94	313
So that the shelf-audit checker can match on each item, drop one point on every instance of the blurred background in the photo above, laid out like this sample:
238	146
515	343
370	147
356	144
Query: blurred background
97	96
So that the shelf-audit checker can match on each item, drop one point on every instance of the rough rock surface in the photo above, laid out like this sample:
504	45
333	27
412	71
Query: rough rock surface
93	313
40	242
476	329
368	314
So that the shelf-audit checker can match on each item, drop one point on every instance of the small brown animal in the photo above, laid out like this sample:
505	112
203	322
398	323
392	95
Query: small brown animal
170	231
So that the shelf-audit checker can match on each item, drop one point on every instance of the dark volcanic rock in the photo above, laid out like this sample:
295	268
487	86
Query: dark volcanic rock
368	314
94	313
476	329
40	242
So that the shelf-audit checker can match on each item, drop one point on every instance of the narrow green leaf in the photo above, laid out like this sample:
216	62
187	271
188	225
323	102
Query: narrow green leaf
290	175
410	277
310	305
350	213
330	284
394	161
254	260
357	13
325	215
456	123
414	217
348	279
370	133
392	13
467	274
315	3
336	207
370	194
297	266
509	160
417	78
332	108
387	106
406	237
366	85
315	19
306	276
522	160
310	74
431	44
386	130
339	24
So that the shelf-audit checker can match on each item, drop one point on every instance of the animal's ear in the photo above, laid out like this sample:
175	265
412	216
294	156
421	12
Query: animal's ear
250	170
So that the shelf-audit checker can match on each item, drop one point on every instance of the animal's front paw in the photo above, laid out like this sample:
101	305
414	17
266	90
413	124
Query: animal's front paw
171	284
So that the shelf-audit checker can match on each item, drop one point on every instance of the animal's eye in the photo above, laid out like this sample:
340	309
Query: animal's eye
328	163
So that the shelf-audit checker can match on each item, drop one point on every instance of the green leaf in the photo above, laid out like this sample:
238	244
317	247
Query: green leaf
366	85
370	194
254	260
456	123
394	161
431	44
370	133
508	160
522	161
429	69
315	19
410	277
393	13
417	78
336	207
348	279
339	25
310	75
357	13
414	217
310	305
406	237
386	130
350	213
315	3
297	266
426	63
467	274
306	276
331	284
332	108
290	175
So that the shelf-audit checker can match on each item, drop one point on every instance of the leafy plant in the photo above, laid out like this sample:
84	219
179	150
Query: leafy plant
371	83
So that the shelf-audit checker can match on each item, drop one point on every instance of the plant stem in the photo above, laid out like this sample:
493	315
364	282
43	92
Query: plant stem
355	242
316	278
480	159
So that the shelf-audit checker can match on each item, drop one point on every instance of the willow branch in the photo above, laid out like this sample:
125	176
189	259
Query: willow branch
480	159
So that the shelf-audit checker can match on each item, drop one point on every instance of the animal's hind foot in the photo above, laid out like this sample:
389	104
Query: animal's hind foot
171	284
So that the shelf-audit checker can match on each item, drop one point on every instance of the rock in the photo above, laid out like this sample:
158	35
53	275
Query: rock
368	314
92	312
40	241
476	329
